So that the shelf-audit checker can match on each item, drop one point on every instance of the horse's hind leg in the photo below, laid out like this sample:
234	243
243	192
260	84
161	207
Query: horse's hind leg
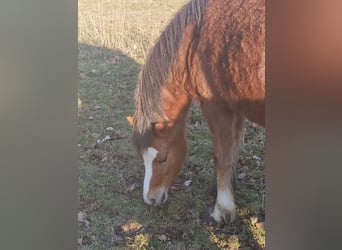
225	127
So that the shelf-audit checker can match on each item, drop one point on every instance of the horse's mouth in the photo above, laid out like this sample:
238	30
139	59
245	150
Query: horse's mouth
164	197
158	200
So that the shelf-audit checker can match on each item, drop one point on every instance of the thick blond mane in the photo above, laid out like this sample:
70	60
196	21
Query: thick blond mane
157	70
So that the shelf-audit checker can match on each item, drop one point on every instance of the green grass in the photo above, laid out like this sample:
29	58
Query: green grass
114	37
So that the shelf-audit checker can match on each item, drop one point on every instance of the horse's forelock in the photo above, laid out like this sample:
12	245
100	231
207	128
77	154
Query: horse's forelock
141	140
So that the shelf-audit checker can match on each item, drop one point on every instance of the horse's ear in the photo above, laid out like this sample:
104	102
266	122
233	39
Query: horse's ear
130	119
160	128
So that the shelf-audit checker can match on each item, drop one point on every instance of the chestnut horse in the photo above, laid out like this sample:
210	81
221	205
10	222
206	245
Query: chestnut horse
213	51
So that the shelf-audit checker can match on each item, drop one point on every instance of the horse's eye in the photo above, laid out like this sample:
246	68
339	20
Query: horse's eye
162	160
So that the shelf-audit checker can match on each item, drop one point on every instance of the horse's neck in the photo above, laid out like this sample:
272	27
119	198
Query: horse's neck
176	98
176	104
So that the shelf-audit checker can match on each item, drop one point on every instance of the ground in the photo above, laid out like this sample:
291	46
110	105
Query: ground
114	37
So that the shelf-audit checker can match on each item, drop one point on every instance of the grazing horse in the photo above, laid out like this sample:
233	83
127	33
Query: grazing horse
212	51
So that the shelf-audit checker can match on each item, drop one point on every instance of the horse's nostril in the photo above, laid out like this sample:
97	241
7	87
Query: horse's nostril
153	201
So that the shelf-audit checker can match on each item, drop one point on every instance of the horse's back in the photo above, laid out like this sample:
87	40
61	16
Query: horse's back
228	64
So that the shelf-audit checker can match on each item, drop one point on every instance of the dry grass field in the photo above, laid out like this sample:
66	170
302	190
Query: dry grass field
114	38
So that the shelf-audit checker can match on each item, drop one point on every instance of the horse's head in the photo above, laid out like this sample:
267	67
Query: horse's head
163	151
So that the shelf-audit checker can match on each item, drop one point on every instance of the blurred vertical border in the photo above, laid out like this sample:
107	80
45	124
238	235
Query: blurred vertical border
303	124
38	124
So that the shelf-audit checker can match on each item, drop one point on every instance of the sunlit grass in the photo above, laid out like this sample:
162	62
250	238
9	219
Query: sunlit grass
128	25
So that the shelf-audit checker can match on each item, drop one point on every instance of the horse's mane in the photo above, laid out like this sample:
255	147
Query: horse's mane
157	69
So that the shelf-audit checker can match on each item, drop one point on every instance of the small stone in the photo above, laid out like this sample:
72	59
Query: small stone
257	158
242	175
162	237
110	129
107	137
187	183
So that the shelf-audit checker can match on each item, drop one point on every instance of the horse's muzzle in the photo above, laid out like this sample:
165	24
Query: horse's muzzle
157	198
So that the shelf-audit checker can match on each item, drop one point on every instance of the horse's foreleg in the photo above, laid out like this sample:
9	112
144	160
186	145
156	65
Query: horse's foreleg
225	127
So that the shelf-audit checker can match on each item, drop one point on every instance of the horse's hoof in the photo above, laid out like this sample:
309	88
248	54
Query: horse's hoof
208	220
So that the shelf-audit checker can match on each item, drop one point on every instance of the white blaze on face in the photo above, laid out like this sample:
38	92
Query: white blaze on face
149	155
